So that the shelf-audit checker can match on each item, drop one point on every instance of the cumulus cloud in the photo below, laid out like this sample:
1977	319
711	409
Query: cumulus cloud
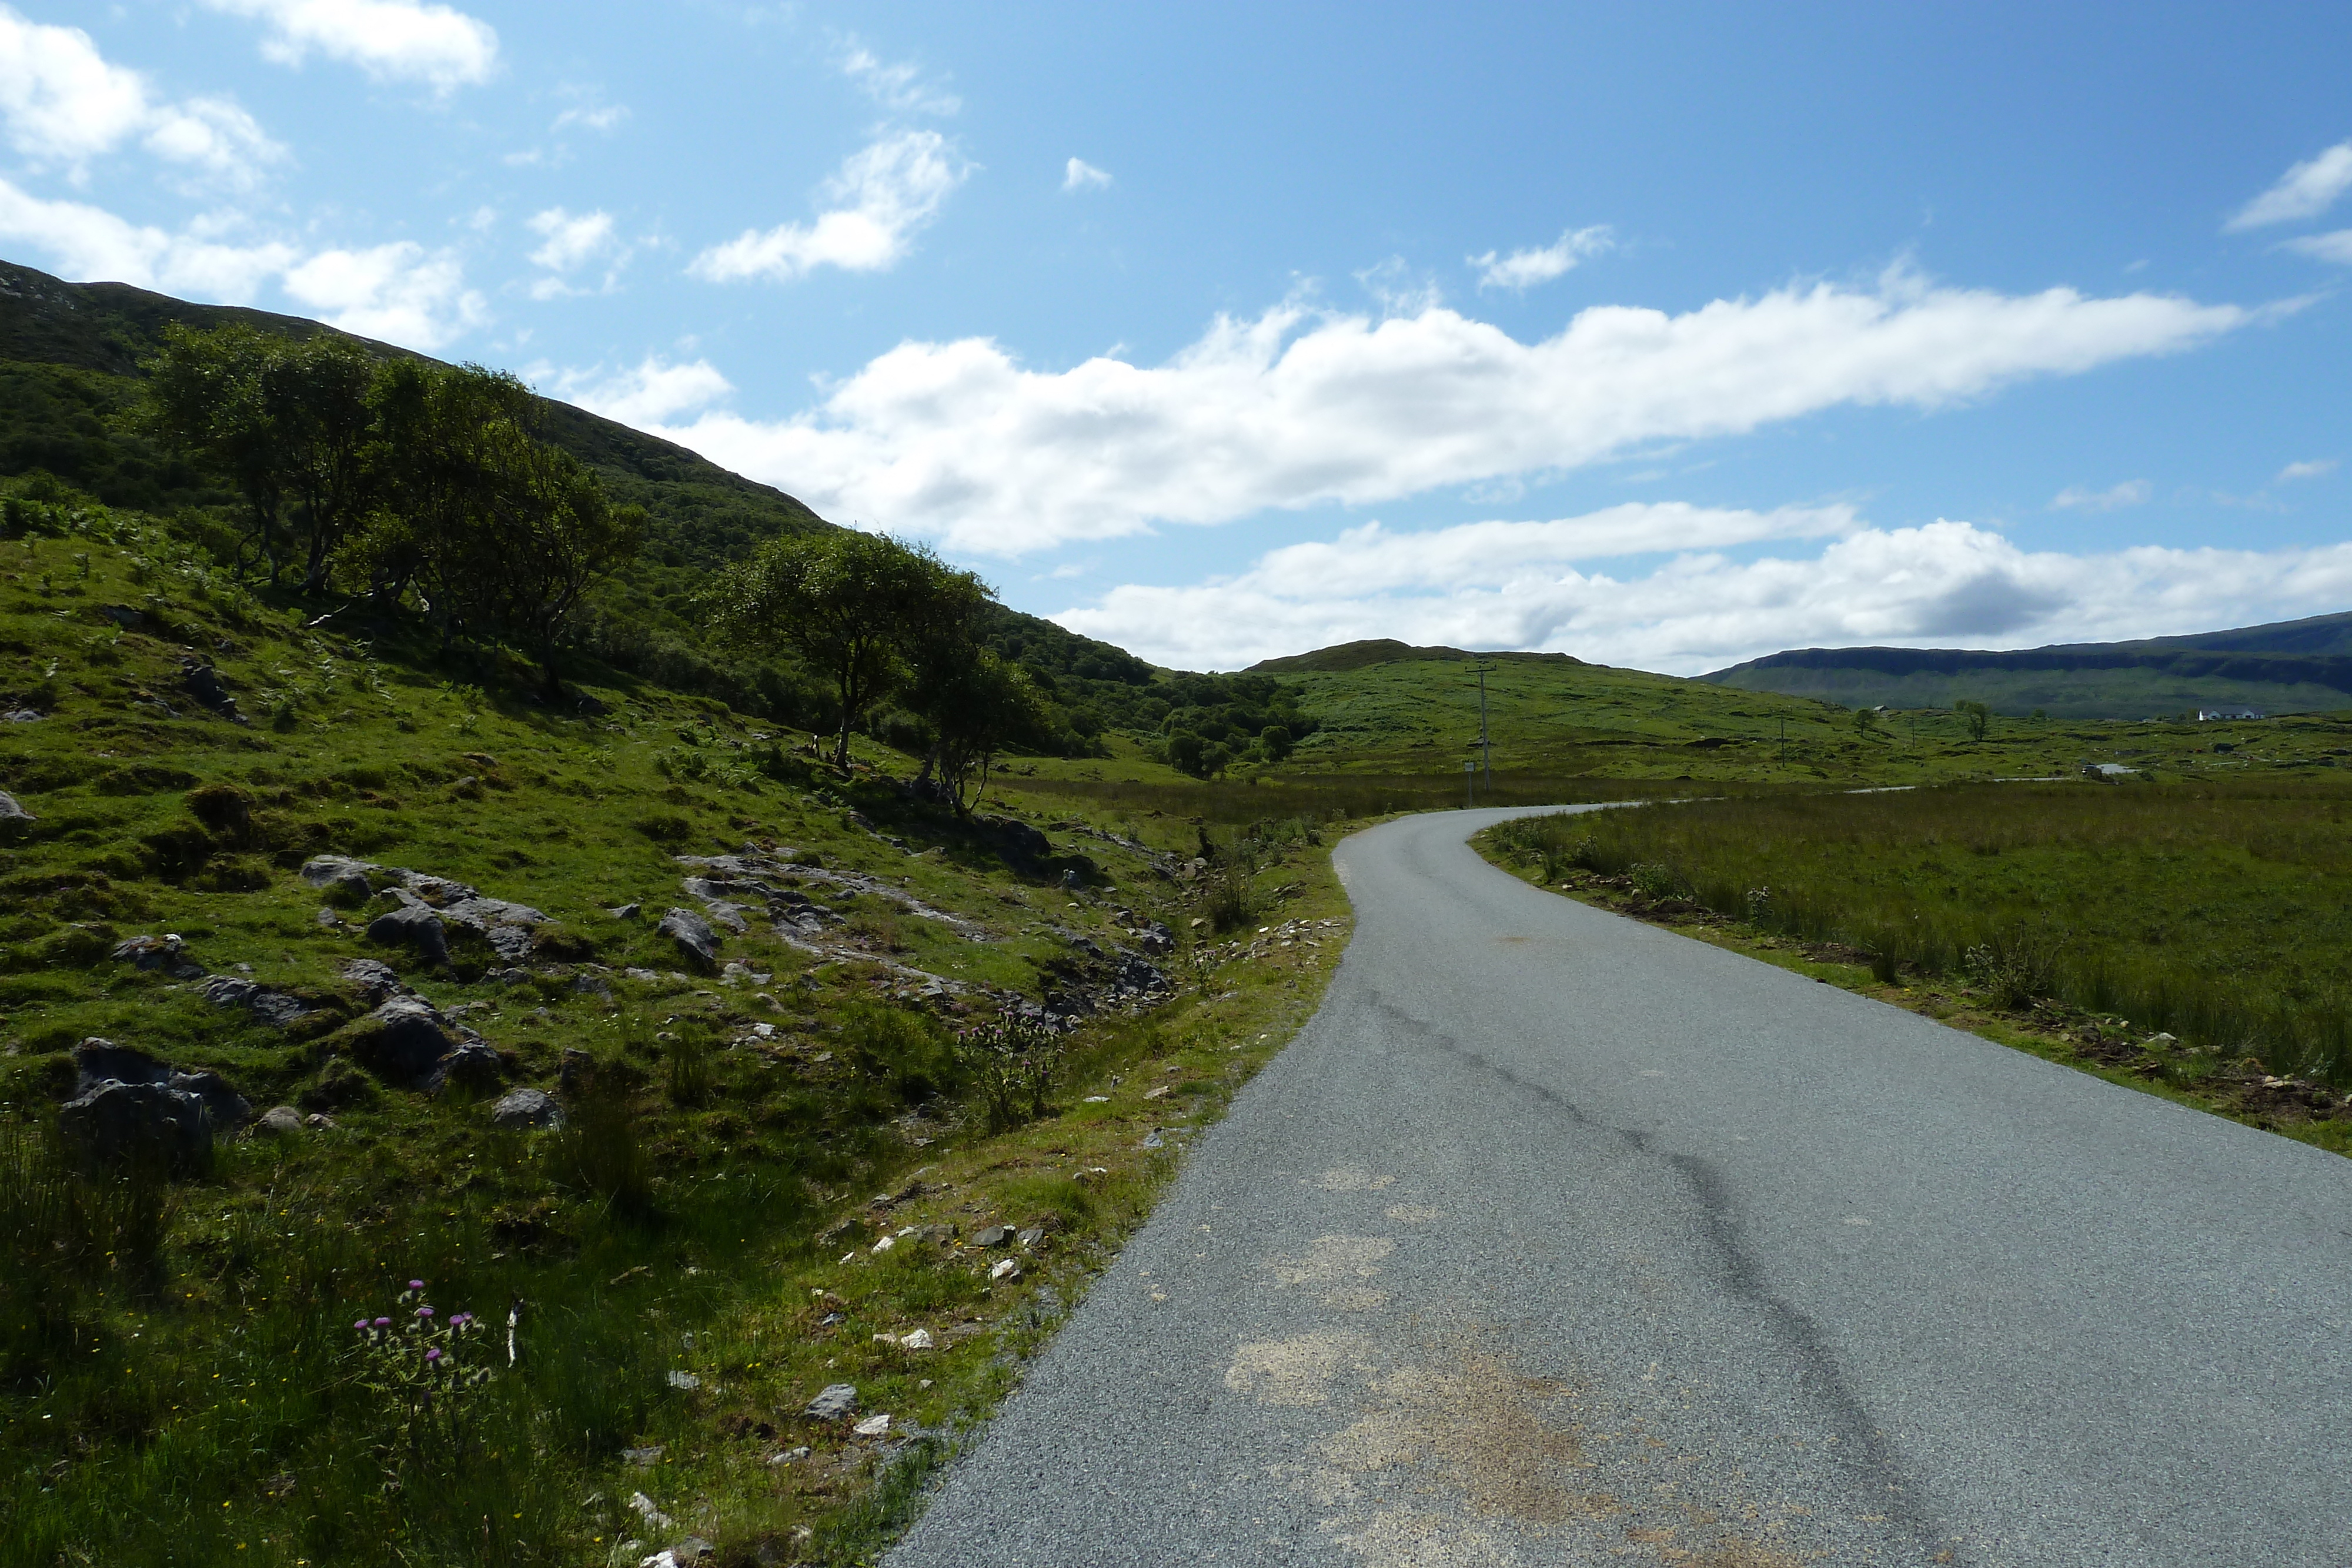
2335	245
569	240
391	40
2130	493
1941	584
959	442
64	103
883	194
598	116
645	396
2317	468
1525	268
900	85
2304	191
88	244
396	292
1081	175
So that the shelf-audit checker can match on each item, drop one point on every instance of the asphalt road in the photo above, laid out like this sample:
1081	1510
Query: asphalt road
1555	1238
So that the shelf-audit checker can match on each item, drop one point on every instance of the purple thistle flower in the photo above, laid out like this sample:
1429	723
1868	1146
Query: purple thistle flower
361	1324
416	1284
432	1355
384	1323
425	1311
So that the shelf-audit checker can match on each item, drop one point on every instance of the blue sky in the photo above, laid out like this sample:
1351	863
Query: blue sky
1662	336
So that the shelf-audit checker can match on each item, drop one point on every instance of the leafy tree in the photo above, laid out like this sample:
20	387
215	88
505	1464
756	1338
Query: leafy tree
974	711
1184	750
859	608
1274	742
1864	720
1978	715
286	422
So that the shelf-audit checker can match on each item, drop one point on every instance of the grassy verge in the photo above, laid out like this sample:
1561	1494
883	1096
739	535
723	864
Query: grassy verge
2159	938
181	1378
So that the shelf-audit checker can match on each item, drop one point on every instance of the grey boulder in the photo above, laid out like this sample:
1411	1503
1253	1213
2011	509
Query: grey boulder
835	1401
14	818
275	1009
279	1121
472	1064
696	941
116	1123
520	1108
415	927
166	954
409	1039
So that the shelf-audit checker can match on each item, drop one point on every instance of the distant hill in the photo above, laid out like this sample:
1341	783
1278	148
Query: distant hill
1384	651
2288	666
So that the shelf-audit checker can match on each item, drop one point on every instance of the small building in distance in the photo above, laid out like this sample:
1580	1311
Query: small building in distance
2207	715
2107	772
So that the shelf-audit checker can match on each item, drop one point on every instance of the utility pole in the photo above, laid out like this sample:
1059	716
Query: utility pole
1486	751
1469	783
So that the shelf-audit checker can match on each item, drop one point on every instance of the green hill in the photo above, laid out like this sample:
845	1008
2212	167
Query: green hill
71	358
2289	666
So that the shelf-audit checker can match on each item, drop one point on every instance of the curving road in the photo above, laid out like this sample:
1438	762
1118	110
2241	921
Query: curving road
1555	1238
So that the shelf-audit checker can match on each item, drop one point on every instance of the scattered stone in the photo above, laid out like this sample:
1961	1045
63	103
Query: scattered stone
919	1340
407	1040
624	911
647	976
1030	1236
202	682
689	1551
520	1108
686	1382
1005	1269
1152	1140
275	1009
472	1065
788	1455
994	1236
411	926
319	1122
2160	1042
1157	939
373	977
1156	1094
833	1401
885	1244
14	818
695	939
1096	1100
591	985
22	716
278	1120
643	1459
654	1517
873	1426
167	953
573	1073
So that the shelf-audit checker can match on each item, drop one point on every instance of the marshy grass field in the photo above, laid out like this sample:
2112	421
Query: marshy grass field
2217	912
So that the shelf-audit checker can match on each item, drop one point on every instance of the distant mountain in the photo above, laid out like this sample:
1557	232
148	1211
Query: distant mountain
2286	666
1383	651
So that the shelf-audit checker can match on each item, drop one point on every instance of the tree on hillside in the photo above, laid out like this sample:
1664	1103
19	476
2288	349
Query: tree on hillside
287	424
972	711
552	536
1978	717
857	608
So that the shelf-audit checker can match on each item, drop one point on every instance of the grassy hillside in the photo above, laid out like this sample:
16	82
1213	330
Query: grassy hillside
1554	722
698	1251
2292	666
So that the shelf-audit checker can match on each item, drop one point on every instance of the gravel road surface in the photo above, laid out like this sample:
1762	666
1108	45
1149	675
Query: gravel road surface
1558	1238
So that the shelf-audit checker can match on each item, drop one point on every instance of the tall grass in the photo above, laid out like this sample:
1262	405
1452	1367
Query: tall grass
1338	797
2213	913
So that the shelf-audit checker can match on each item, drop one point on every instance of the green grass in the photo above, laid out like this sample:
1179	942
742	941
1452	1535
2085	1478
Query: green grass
179	1378
2212	912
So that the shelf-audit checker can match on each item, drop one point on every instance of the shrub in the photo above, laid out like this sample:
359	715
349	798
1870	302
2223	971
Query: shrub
906	1054
1013	1060
2016	966
598	1150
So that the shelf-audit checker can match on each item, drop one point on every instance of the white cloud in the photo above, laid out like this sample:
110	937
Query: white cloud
2335	245
1525	268
603	117
1942	584
884	193
959	442
652	392
2317	468
391	40
2304	191
395	292
1081	175
87	243
569	240
900	87
64	104
2130	493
